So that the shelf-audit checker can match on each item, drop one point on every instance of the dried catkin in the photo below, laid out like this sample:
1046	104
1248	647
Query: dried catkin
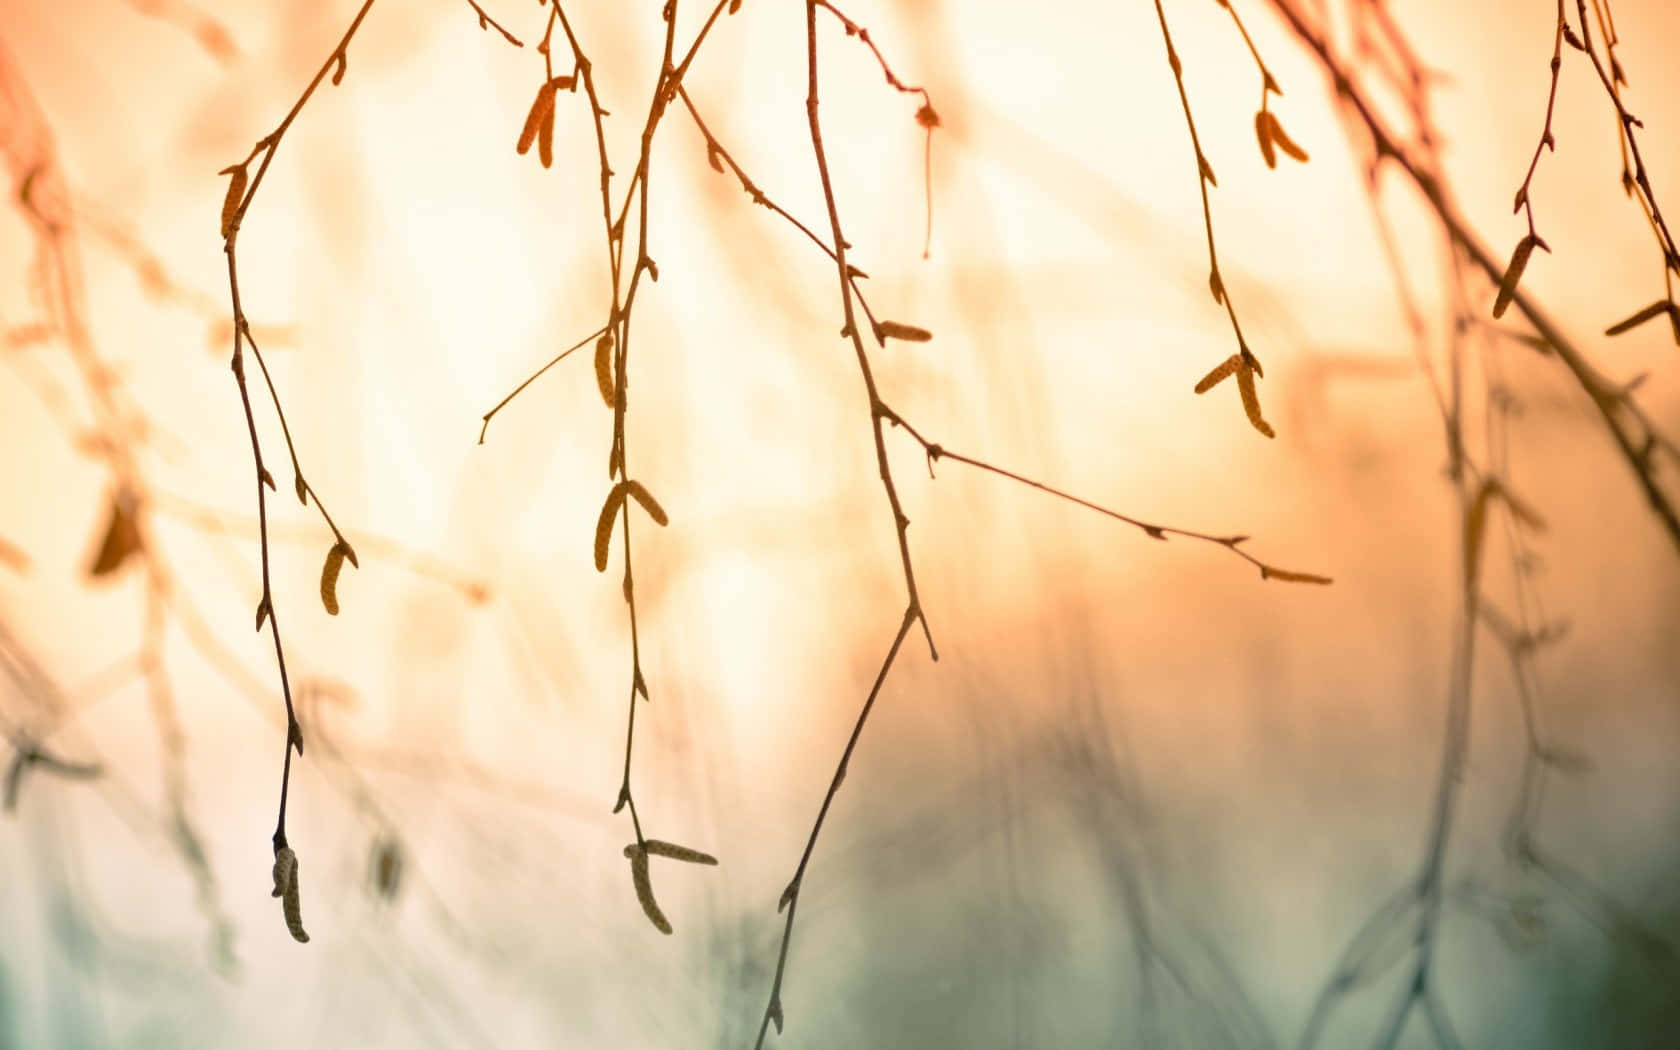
1269	573
604	524
1219	374
542	108
329	576
1251	399
644	888
1263	132
603	370
649	504
896	330
656	848
286	888
235	197
1283	141
1513	274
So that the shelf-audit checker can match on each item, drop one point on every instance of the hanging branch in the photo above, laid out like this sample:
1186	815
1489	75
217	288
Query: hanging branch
241	192
1623	417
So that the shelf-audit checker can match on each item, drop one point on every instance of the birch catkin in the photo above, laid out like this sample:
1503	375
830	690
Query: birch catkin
286	888
644	887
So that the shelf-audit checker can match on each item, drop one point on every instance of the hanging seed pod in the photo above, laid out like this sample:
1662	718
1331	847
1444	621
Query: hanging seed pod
1251	399
1661	306
885	330
286	888
1263	132
1219	374
644	888
542	109
1269	573
545	135
656	848
1283	141
604	524
329	576
603	370
1513	274
649	504
235	197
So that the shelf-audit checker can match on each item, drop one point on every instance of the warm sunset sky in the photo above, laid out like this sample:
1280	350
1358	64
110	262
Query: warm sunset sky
1270	749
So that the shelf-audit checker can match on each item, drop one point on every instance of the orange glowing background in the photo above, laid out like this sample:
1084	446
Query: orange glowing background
1118	730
